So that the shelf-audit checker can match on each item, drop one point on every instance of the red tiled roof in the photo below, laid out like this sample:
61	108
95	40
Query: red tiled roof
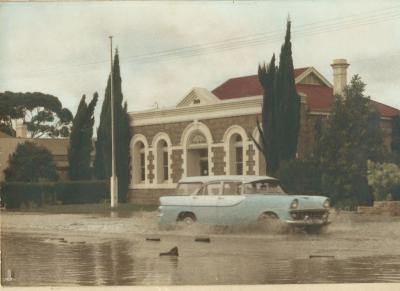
319	97
244	86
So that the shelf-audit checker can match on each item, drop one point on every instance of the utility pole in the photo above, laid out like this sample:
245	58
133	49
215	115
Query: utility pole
113	179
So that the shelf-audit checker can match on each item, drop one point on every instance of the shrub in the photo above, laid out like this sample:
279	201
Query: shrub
31	163
17	194
73	192
384	179
300	177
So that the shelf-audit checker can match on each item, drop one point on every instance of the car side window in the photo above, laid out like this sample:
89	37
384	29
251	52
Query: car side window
212	189
232	188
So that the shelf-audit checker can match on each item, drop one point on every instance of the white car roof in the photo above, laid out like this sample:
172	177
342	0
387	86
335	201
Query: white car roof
207	179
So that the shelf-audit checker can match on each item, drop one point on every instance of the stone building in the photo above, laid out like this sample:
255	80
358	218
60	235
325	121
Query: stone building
208	133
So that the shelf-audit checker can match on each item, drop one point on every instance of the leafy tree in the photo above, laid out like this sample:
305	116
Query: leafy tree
102	162
31	163
80	141
351	135
395	145
42	113
300	176
280	111
384	179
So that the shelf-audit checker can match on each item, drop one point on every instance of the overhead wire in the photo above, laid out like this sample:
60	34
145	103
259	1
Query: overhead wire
246	41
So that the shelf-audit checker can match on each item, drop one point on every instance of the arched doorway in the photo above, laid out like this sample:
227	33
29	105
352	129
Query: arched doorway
197	155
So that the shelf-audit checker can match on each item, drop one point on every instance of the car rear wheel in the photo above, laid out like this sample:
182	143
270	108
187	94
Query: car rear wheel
187	218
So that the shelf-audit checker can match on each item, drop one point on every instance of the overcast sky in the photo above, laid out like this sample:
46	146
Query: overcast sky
167	48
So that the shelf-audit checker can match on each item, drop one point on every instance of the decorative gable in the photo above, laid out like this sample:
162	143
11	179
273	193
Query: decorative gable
312	77
198	96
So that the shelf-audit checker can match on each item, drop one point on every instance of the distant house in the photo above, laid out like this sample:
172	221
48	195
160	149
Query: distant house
58	147
208	132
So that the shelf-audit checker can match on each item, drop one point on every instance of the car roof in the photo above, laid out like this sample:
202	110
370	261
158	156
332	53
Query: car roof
208	179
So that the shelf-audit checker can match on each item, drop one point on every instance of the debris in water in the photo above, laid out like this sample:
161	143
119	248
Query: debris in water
153	239
202	239
10	275
172	252
321	256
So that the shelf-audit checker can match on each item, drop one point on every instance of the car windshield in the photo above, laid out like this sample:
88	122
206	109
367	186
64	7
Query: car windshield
188	188
263	187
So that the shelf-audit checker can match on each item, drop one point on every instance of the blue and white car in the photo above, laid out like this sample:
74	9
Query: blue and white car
232	200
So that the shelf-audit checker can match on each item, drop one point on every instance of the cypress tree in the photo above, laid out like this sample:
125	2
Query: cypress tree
289	104
102	162
280	111
268	130
80	143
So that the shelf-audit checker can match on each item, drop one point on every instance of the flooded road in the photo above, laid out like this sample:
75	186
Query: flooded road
111	249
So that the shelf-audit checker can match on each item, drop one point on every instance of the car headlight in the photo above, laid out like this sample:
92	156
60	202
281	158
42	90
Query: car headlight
294	204
327	203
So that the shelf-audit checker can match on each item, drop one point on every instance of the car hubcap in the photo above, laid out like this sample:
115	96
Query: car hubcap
188	220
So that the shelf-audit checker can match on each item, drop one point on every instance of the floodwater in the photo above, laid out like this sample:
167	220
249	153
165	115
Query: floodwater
109	249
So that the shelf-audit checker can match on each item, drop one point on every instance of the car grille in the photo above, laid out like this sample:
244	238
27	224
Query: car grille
308	214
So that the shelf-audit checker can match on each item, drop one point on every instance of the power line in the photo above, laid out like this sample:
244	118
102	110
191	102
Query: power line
249	41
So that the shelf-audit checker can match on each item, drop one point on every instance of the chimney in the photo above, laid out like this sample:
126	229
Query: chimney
339	67
21	129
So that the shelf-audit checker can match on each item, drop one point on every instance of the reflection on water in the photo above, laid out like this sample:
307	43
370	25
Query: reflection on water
46	260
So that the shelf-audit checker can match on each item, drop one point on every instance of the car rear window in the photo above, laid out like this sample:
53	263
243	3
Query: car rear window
188	188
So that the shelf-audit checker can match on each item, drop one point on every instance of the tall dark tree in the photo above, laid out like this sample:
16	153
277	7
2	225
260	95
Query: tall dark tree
31	163
280	111
289	101
42	113
80	142
102	162
268	130
350	137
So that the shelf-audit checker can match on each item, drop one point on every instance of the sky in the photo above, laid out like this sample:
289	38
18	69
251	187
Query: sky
167	48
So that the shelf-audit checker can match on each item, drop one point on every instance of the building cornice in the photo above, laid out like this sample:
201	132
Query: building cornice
236	107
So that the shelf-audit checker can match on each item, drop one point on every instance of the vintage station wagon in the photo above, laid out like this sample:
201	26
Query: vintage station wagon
230	200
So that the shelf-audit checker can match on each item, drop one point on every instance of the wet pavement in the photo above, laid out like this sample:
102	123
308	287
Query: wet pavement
42	249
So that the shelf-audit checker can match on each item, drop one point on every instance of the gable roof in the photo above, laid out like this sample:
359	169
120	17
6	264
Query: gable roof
318	97
201	95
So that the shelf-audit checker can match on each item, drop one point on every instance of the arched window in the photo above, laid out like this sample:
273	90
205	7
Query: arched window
162	162
139	163
235	147
162	151
236	154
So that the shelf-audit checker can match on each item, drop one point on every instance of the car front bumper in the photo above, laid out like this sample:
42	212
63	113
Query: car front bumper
320	222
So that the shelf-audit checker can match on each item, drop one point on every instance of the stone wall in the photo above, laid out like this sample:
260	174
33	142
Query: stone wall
218	160
177	162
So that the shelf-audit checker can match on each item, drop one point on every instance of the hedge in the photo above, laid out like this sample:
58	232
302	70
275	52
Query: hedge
16	194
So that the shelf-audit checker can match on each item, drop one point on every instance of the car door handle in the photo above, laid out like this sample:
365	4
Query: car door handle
220	198
194	197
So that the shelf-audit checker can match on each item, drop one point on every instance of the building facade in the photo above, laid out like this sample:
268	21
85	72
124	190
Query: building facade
209	132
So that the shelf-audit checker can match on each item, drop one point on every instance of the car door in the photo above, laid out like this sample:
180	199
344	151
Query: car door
204	204
229	208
